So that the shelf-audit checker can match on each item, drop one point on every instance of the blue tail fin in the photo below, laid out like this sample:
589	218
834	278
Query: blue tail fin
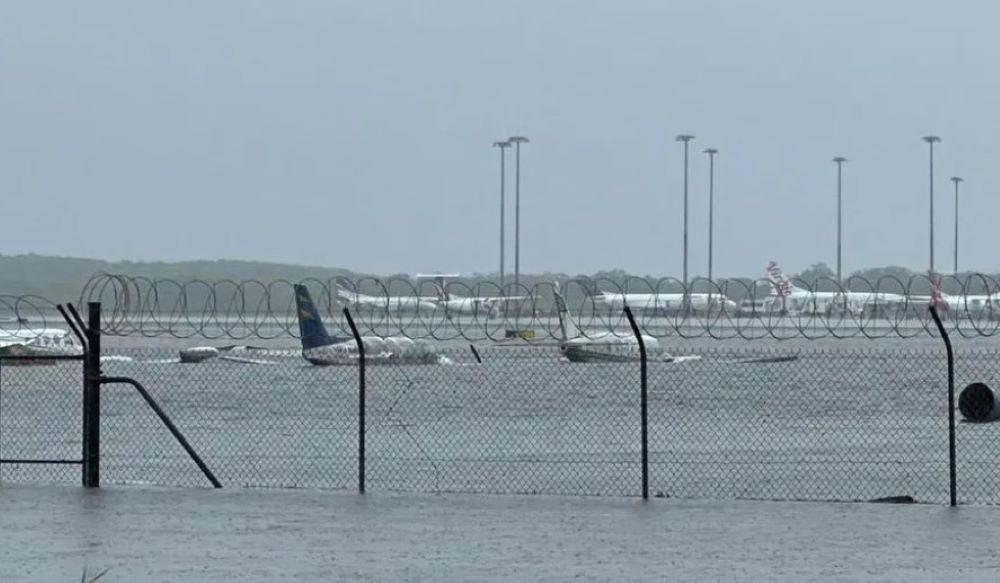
311	328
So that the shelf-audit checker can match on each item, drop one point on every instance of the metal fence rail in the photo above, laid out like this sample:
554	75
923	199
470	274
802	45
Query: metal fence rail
752	422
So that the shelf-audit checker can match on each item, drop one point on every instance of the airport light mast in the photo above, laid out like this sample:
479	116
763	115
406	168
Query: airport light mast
931	140
711	206
956	180
503	204
685	138
517	141
839	160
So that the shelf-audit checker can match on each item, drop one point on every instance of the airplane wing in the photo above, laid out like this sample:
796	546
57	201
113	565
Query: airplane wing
348	295
501	299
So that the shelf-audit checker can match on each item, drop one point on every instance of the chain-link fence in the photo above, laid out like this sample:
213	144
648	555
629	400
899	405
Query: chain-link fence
754	422
40	420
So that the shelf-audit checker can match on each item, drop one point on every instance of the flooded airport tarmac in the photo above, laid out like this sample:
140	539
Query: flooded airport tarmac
786	420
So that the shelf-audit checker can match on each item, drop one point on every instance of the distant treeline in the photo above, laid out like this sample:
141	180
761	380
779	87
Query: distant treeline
61	279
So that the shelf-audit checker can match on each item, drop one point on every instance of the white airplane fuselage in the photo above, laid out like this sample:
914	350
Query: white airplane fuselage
820	302
491	306
469	306
607	347
670	302
970	303
378	350
388	303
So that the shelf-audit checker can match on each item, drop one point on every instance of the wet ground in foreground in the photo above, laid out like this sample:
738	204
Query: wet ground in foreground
53	533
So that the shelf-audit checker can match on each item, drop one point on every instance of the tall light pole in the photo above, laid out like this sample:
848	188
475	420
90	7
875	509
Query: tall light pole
503	204
686	139
956	180
931	140
840	215
711	207
517	141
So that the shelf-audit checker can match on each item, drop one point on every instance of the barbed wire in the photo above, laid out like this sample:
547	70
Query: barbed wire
25	316
734	308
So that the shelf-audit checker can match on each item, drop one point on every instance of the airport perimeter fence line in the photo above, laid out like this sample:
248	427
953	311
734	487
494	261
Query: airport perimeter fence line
763	423
886	307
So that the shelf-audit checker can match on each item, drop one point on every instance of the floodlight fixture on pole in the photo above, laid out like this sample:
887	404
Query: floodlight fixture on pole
839	160
517	141
931	140
502	145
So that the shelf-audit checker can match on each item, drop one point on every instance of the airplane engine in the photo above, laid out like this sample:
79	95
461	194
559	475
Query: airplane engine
978	403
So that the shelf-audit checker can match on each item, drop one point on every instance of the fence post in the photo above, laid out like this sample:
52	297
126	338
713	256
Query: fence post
951	403
92	399
166	421
642	403
361	401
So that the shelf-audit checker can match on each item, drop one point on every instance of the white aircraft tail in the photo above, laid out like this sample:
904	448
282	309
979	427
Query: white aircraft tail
938	298
442	293
566	324
781	286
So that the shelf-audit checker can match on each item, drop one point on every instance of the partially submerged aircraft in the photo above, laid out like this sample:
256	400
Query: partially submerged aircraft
26	341
319	348
234	353
602	346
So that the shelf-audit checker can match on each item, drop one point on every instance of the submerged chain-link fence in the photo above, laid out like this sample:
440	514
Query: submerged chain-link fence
40	421
773	423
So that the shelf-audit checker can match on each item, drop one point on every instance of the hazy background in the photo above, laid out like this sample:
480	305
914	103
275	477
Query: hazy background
358	135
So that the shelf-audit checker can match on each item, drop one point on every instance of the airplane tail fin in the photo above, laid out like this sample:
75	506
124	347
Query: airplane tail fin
442	294
566	324
937	298
780	285
311	329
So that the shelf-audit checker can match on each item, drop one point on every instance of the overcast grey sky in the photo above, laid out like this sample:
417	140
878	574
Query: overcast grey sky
357	134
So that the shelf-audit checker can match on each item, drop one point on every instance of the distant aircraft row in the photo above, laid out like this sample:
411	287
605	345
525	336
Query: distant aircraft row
784	298
319	347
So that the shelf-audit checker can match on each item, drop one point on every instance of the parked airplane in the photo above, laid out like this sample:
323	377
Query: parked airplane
667	302
955	304
319	348
803	301
603	346
357	300
489	306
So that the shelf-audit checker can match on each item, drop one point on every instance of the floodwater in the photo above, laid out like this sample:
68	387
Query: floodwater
53	534
845	420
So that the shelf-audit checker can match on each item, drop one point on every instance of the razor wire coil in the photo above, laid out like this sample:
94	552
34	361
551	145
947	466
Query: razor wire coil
888	307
